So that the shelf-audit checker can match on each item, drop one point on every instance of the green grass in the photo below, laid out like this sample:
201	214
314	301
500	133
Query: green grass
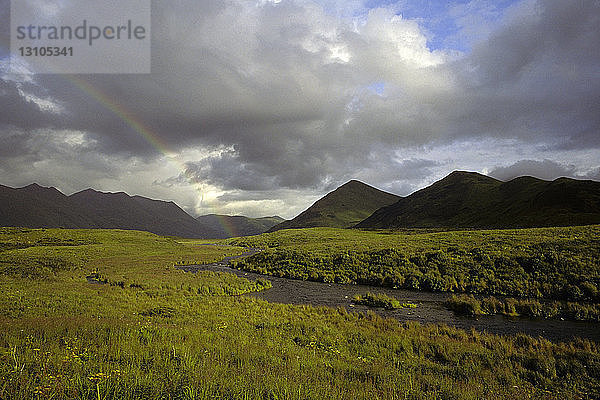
555	263
469	305
381	300
157	336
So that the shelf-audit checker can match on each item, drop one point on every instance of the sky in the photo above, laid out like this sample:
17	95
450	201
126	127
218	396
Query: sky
261	107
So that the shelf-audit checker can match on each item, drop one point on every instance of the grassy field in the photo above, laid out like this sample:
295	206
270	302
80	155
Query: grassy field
153	331
554	263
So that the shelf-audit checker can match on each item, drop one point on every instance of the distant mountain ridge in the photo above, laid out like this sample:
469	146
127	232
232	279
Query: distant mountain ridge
460	200
471	200
35	206
227	226
341	208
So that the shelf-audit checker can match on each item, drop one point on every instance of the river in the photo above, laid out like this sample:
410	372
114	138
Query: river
430	308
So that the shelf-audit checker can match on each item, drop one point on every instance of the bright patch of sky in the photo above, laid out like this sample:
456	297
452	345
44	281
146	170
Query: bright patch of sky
448	25
377	87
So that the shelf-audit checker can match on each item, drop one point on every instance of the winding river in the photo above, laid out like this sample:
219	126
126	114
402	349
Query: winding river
430	308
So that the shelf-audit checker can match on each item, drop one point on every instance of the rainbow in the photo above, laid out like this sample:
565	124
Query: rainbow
151	137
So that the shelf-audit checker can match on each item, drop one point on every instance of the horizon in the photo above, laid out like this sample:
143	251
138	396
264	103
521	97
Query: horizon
278	216
261	108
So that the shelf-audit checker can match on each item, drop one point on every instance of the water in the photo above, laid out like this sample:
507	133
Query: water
430	308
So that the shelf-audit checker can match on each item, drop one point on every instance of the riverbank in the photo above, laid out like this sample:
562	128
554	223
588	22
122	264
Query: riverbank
469	305
549	263
150	333
430	309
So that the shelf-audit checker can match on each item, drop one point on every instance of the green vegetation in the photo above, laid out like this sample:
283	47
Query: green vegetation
154	332
119	258
471	200
469	305
381	300
343	208
553	263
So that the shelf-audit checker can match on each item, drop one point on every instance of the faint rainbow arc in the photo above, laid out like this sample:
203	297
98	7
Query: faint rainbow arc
152	138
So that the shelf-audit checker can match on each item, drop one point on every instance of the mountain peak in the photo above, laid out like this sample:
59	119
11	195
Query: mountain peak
355	185
353	182
341	208
471	200
35	206
468	175
89	192
464	179
38	189
86	191
35	187
460	172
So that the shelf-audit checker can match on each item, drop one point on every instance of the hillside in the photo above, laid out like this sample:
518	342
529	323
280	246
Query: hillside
471	200
227	226
39	207
342	208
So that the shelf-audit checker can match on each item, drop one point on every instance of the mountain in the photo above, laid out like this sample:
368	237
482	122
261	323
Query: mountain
227	226
39	207
34	205
460	200
471	200
121	211
342	208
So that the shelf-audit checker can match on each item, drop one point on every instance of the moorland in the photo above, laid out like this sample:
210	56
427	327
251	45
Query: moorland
107	314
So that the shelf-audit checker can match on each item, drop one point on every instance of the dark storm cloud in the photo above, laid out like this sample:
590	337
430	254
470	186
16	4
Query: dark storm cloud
288	89
415	168
225	170
537	78
13	144
19	112
4	28
398	176
207	88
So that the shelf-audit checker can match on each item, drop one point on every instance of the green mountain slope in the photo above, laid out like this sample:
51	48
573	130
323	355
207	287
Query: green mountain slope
342	208
471	200
227	226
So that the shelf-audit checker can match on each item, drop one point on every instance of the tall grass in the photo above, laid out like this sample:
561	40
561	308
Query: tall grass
157	336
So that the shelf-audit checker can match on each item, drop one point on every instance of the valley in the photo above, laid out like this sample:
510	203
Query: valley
153	330
327	305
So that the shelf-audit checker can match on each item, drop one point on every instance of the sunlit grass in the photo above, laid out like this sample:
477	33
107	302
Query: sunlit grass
555	263
154	331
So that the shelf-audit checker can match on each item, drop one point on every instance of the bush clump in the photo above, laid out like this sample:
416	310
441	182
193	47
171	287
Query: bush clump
381	300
